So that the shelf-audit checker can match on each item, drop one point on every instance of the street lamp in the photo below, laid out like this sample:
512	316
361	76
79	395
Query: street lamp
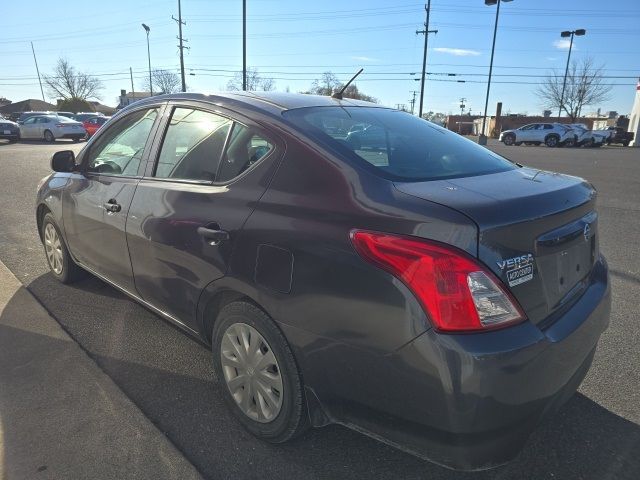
147	29
565	34
482	139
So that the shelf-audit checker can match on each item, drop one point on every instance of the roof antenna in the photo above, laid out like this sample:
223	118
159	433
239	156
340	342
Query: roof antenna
338	95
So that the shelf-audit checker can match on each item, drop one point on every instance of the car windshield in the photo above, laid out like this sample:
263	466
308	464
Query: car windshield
395	144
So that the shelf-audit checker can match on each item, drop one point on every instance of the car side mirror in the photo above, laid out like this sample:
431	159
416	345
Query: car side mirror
63	161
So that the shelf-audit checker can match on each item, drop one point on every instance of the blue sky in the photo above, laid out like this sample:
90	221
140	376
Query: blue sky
294	42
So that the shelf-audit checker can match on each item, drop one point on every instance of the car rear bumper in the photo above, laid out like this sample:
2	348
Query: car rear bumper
470	402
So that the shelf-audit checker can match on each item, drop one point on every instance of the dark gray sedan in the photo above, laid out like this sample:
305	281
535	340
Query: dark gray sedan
422	290
9	130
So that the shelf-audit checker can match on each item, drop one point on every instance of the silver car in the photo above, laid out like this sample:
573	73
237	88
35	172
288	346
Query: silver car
551	134
51	127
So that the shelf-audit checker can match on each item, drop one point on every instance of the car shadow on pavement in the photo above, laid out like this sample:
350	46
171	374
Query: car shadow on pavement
169	376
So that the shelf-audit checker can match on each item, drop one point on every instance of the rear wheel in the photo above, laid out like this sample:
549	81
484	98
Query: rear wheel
60	262
48	136
260	378
570	142
551	141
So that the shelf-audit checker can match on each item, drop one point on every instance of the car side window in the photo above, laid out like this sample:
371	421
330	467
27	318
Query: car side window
548	126
42	120
193	145
119	150
246	146
528	127
30	120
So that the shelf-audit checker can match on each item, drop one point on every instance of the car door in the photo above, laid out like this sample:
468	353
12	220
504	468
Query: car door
97	199
209	171
28	128
42	124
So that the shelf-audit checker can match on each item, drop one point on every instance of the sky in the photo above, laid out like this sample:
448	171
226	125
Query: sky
293	42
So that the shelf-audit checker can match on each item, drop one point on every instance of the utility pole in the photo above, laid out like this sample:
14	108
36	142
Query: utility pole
413	100
132	89
426	33
37	71
244	45
462	105
181	46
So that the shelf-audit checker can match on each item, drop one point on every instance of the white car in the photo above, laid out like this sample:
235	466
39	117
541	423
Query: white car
551	134
50	128
589	138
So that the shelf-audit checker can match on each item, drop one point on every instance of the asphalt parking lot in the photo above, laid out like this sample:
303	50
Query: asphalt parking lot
169	376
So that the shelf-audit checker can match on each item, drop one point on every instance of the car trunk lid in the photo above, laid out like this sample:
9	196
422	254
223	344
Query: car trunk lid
537	230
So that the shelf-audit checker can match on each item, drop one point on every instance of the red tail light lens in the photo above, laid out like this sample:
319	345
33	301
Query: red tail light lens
456	291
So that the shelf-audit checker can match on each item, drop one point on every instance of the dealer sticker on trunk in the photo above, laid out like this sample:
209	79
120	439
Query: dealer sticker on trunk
517	269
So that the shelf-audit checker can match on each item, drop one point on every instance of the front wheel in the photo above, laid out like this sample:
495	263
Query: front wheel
48	136
551	141
60	262
258	373
509	140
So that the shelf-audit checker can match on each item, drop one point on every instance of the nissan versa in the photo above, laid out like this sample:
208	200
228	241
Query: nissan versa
417	288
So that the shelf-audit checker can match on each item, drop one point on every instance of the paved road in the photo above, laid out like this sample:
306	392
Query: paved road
168	375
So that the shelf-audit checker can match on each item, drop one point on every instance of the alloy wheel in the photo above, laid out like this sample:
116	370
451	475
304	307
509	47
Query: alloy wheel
251	372
53	249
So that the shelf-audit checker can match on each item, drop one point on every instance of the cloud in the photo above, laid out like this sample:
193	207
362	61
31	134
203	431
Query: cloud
552	59
561	44
365	59
458	52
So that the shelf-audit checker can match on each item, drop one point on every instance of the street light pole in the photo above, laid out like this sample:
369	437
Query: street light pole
244	45
566	34
147	29
482	139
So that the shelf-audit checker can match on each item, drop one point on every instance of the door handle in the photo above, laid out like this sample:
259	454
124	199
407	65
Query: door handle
112	206
213	236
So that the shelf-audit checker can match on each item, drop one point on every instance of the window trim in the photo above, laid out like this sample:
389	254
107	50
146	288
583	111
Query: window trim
86	154
154	154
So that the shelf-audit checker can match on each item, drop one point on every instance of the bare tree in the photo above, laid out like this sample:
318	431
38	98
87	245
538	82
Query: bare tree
254	81
67	83
585	86
164	81
328	83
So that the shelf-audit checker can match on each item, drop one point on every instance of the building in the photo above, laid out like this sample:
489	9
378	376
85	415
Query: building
126	99
30	105
463	124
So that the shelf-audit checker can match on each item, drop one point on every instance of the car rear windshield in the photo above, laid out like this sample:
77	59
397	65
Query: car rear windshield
395	144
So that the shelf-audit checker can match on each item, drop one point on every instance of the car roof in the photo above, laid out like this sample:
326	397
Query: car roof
268	101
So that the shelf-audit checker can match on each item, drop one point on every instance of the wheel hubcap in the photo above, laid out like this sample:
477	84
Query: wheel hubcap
251	372
53	248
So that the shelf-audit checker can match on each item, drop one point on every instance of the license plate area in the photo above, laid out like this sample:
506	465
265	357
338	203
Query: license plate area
566	255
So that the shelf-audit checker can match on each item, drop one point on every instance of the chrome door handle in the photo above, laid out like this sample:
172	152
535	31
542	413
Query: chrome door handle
112	206
213	236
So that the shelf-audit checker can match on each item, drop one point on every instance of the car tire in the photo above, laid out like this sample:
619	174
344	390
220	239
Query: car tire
49	137
625	143
551	141
509	140
284	416
60	262
569	143
590	143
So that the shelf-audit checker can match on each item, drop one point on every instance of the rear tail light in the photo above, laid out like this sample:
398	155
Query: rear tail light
456	291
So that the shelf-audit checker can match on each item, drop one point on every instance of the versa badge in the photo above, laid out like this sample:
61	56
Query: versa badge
517	269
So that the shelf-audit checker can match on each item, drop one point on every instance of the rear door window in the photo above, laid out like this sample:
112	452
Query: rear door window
193	145
395	144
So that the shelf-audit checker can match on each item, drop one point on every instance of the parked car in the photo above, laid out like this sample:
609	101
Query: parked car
9	130
51	127
551	134
443	300
82	116
588	138
91	125
618	135
22	116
